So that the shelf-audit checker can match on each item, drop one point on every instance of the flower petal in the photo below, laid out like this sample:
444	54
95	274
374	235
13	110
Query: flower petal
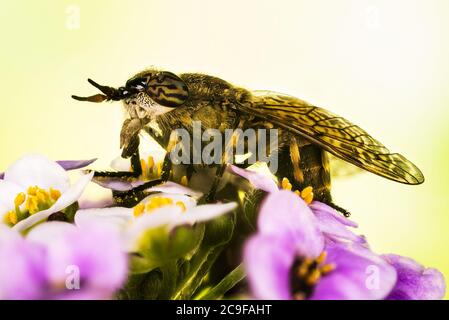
333	225
258	180
8	192
415	282
359	275
37	170
22	267
174	188
116	184
67	165
95	253
267	261
116	218
317	206
284	213
67	198
204	213
75	164
164	216
47	233
95	196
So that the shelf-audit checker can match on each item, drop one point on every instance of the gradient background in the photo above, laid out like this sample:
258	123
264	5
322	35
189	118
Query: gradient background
382	64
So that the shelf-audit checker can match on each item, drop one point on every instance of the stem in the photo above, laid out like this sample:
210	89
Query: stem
226	284
169	274
195	265
199	267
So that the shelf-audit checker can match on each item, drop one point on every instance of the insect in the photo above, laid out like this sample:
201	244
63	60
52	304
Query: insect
165	101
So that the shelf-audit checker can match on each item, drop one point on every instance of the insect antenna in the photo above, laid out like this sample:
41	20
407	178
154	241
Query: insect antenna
95	98
109	93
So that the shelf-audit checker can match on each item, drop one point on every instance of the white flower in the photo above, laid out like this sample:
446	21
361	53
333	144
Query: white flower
170	208
34	188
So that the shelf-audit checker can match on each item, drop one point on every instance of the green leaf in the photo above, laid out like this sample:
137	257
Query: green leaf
159	246
228	282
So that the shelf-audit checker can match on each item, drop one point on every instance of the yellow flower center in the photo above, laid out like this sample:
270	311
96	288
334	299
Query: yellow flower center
150	169
35	200
306	194
305	273
156	203
153	170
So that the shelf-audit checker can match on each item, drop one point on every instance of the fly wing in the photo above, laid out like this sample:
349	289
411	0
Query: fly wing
333	133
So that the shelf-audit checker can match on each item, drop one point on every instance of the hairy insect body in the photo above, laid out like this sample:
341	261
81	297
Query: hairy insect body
159	102
215	104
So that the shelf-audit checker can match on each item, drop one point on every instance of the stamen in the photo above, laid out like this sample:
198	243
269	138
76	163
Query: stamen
55	194
305	273
299	296
302	270
285	184
11	217
42	196
32	204
307	195
184	181
321	257
313	277
32	191
158	202
20	199
327	268
139	209
150	164
143	165
182	205
306	191
34	200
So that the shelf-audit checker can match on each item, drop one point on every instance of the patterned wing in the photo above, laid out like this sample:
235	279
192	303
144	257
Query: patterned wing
334	134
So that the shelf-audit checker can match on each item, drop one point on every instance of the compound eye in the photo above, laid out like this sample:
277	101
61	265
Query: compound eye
139	84
167	89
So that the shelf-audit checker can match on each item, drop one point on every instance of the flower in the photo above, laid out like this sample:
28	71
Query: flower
67	165
172	206
161	227
34	188
289	257
415	282
57	260
333	225
151	163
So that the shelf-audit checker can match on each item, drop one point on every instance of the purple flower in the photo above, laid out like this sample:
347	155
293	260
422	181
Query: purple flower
57	260
290	257
415	282
333	225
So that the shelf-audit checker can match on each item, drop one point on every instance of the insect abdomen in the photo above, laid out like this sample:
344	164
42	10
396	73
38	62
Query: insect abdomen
306	164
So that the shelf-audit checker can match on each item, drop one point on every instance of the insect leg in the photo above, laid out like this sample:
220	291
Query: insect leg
132	152
210	196
132	197
295	158
345	212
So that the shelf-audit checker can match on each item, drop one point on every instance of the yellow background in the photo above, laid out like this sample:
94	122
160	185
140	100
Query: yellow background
382	64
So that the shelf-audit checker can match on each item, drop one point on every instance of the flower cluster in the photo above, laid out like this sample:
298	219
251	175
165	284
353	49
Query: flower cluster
305	250
62	244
